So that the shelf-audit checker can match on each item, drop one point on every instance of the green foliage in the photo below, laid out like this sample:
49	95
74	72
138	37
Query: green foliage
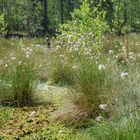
126	14
29	16
20	125
18	73
86	28
96	79
2	24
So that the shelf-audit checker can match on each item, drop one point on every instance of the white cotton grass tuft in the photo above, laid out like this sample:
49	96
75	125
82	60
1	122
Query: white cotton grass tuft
102	106
13	58
124	74
19	62
101	67
6	65
33	114
99	118
110	51
27	56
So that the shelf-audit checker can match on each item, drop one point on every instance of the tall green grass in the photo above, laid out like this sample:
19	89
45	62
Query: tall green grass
127	128
17	83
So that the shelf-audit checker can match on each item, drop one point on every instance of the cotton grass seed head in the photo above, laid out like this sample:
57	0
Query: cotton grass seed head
103	106
124	74
99	119
101	67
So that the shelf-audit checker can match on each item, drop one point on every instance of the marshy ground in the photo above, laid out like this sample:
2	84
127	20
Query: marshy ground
36	121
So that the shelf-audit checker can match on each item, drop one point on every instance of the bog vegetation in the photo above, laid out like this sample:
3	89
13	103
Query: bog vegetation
69	70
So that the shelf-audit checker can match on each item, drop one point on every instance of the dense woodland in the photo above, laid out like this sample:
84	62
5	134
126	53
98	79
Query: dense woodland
40	17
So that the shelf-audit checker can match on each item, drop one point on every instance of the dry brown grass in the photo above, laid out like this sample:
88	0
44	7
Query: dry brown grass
72	114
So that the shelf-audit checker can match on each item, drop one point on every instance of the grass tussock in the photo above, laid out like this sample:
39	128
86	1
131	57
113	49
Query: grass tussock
20	70
91	88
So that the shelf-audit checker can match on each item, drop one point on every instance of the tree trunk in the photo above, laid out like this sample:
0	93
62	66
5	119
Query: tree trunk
62	12
46	16
70	8
125	13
